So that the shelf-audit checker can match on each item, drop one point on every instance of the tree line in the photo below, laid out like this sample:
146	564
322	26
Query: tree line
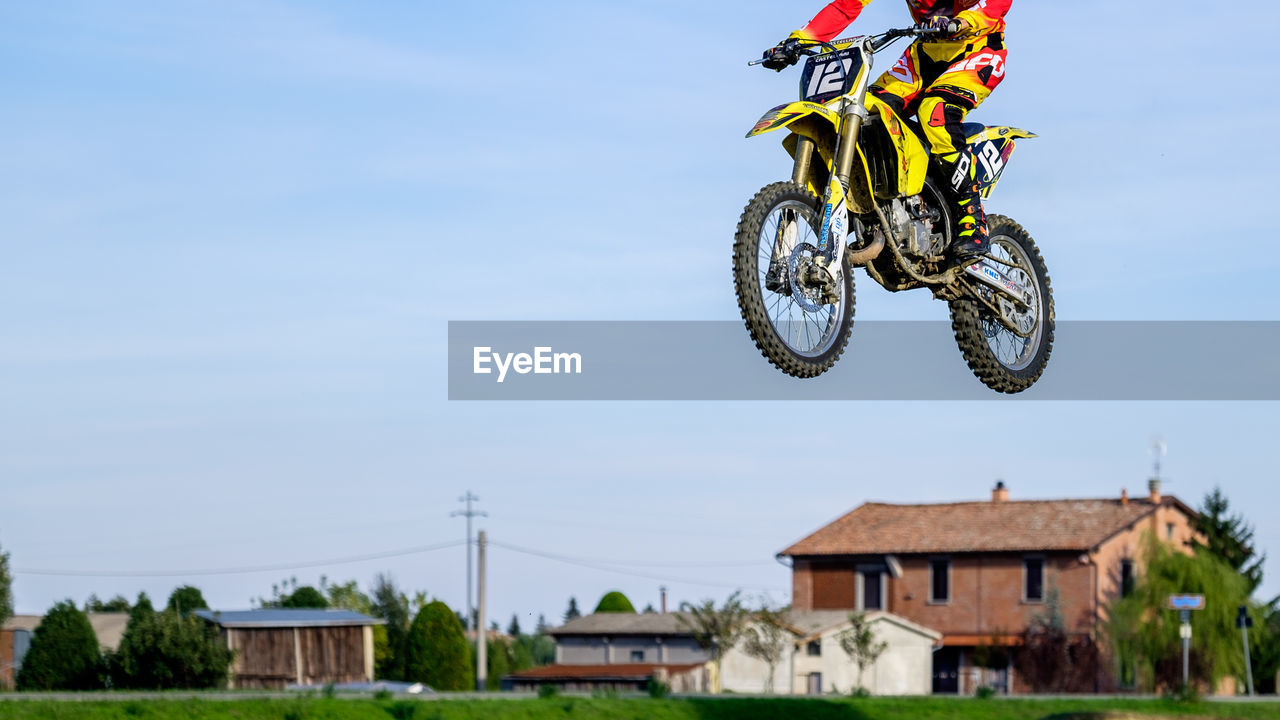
160	650
421	641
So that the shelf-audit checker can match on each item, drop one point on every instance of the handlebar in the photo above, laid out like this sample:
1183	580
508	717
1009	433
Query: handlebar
886	38
791	49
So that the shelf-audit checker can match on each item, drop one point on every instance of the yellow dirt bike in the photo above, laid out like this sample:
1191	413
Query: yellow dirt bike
862	176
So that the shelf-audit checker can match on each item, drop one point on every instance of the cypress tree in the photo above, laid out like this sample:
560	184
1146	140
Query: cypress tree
436	651
64	653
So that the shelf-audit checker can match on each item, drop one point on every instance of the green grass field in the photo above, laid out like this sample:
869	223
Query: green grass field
582	708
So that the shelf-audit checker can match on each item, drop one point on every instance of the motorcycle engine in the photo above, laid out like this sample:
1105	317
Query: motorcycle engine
913	223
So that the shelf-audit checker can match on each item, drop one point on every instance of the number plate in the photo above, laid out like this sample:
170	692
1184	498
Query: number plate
828	75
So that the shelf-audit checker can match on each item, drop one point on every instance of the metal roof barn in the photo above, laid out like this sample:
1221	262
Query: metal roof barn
279	647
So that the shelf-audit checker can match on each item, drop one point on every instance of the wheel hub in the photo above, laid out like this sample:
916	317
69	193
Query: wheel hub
813	284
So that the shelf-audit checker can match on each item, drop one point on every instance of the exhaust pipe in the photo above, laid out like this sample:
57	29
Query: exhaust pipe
870	252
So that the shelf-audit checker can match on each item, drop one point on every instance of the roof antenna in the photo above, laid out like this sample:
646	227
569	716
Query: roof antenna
1158	450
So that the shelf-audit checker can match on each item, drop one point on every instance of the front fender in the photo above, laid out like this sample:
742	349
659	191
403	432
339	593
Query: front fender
784	115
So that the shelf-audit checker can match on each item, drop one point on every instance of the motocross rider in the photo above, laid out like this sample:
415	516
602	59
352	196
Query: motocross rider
940	79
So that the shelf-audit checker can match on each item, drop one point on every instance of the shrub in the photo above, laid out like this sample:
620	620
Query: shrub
548	691
304	597
1187	695
985	692
186	598
64	653
1051	659
615	602
658	689
498	656
436	650
389	641
403	710
165	650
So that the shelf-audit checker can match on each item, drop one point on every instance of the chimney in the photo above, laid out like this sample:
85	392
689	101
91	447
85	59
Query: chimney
1124	497
663	590
1154	486
1000	493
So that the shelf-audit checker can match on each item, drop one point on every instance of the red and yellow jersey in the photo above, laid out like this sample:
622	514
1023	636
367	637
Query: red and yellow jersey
984	16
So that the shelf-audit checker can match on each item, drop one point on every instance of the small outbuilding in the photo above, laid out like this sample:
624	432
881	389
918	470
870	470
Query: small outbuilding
813	662
279	647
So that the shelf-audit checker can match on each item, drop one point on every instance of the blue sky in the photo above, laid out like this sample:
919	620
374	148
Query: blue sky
234	232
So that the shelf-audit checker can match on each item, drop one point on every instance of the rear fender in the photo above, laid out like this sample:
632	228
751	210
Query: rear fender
990	148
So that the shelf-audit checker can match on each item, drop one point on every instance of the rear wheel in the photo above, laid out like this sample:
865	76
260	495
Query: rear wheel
800	326
1002	359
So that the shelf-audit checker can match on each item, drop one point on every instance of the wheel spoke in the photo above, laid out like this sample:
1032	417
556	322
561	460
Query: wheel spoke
1010	349
804	325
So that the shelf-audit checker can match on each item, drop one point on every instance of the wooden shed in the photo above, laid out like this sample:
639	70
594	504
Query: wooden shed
280	647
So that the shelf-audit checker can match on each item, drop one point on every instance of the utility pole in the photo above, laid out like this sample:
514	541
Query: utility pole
468	514
482	645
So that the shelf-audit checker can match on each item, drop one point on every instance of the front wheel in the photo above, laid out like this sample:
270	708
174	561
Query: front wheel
799	324
1002	359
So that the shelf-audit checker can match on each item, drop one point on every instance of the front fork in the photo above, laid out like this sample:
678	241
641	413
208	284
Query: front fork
835	210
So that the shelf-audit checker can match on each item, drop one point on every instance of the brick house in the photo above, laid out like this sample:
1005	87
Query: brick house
978	572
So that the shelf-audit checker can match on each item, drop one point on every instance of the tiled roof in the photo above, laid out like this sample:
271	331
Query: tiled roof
273	617
632	671
1009	526
624	624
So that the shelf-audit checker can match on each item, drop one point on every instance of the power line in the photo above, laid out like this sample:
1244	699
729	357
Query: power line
598	565
246	569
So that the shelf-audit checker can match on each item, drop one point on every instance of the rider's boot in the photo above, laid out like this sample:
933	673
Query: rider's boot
971	240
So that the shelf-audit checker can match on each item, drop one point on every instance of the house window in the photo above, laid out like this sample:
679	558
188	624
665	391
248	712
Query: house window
1126	577
637	656
939	581
814	648
1033	579
1168	530
872	591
